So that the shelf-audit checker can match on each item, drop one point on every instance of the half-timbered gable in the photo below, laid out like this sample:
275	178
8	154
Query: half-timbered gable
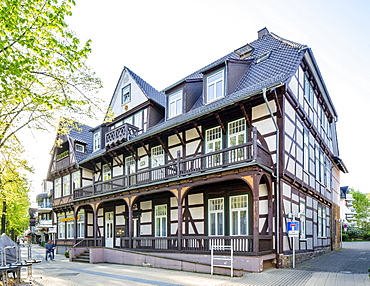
225	156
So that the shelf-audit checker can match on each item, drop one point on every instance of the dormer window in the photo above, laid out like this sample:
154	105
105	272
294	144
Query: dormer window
175	104
97	140
215	86
80	147
126	94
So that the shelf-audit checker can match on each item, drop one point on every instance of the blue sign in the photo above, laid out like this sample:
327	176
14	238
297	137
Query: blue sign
292	226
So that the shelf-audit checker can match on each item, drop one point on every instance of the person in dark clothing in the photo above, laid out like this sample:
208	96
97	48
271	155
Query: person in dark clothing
49	250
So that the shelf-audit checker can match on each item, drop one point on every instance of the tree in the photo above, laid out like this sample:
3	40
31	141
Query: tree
14	189
362	205
43	70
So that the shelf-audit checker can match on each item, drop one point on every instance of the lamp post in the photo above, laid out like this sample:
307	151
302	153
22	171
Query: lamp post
341	230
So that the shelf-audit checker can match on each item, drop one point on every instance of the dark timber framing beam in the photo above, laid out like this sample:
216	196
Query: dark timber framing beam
165	147
221	124
178	136
199	133
245	115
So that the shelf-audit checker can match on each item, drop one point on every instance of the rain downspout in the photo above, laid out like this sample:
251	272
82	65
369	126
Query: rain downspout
277	195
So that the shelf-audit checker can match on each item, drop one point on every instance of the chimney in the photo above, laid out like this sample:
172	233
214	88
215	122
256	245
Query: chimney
262	33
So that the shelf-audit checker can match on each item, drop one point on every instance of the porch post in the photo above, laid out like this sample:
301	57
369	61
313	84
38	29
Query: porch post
95	213
75	225
256	216
130	217
179	222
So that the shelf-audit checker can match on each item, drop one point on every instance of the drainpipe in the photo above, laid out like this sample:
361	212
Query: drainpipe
277	191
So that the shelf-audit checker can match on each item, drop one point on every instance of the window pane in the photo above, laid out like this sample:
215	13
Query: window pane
212	224
243	222
234	223
220	223
211	92
219	89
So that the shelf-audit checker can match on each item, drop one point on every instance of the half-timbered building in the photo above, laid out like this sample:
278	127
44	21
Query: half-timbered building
224	156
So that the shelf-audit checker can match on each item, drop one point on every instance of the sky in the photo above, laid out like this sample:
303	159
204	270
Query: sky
165	40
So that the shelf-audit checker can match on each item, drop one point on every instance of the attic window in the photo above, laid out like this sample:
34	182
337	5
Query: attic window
263	57
80	147
126	94
244	51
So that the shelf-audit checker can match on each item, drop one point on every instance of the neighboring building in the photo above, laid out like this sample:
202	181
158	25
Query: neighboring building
195	164
45	227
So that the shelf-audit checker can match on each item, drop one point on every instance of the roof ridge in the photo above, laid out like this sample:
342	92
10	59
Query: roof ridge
288	42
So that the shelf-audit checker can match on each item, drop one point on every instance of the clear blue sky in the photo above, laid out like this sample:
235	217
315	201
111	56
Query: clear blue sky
162	41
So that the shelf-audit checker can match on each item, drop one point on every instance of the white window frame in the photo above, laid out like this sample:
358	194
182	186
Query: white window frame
213	81
175	104
58	187
97	141
61	229
81	224
238	206
66	185
107	173
160	220
130	168
70	229
306	150
138	120
213	138
157	156
321	221
76	180
80	148
126	94
216	208
237	135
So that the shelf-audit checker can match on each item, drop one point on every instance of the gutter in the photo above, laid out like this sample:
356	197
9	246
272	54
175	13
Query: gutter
277	195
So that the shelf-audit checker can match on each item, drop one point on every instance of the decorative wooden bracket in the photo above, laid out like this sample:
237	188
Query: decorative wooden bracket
146	149
221	124
245	115
178	136
199	133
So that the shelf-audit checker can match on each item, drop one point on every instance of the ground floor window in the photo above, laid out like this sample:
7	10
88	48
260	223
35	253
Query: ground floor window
81	224
216	216
239	215
302	219
161	220
321	221
61	228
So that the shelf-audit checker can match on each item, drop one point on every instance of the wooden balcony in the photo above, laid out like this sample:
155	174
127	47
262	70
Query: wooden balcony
120	134
233	157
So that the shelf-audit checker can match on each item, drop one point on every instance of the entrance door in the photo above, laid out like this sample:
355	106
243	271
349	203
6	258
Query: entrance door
109	229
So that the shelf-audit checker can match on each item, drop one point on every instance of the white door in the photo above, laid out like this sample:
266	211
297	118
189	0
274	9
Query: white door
109	229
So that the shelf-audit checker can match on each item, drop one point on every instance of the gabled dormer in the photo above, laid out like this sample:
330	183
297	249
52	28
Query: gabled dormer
135	107
70	149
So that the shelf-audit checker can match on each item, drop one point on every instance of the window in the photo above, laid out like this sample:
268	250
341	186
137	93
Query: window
321	221
66	185
126	94
136	119
215	86
161	220
216	216
107	173
308	91
175	104
213	144
157	156
57	188
76	182
61	228
239	215
237	136
263	57
80	147
130	168
96	146
81	224
70	230
302	219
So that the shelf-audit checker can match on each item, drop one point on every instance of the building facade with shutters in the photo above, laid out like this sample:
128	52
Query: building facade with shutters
225	156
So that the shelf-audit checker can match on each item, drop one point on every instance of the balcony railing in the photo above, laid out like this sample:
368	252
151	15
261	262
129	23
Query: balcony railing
198	244
120	134
228	157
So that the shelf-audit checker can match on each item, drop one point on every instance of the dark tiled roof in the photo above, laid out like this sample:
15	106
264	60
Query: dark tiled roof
148	90
82	135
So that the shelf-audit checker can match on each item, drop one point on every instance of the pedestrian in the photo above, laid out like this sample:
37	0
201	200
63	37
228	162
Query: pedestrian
39	240
53	248
49	250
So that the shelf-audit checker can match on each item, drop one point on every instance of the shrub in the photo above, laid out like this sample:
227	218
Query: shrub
367	235
345	237
354	232
66	254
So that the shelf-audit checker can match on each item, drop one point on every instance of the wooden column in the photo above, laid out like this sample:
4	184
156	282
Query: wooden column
130	217
256	213
179	222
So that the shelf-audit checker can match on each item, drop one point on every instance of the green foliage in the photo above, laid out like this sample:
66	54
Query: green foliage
345	237
62	155
14	189
66	254
43	70
362	205
354	232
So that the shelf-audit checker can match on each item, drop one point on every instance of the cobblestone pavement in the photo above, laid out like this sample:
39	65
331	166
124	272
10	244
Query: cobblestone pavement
347	266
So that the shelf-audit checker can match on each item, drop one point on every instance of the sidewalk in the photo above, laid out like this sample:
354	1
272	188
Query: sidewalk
62	272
